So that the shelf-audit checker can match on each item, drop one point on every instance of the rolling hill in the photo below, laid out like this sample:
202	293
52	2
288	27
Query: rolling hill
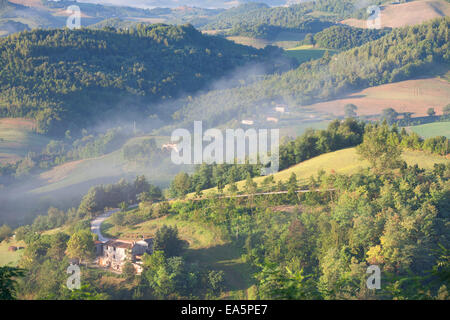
56	76
17	138
405	96
343	161
403	54
406	14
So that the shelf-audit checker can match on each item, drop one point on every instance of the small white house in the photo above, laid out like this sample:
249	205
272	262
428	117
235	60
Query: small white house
248	122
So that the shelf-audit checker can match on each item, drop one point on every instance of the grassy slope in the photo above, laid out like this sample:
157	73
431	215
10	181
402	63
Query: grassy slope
432	129
205	247
81	171
306	52
10	257
342	161
17	139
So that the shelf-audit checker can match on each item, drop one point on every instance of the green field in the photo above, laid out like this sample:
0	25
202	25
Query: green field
306	53
432	129
17	138
343	161
10	257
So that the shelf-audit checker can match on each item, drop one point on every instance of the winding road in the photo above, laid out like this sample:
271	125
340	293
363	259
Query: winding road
97	222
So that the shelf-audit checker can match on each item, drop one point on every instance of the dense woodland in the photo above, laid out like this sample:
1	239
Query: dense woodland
56	76
342	37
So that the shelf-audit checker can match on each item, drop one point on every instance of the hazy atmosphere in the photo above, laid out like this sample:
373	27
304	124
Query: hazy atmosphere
231	153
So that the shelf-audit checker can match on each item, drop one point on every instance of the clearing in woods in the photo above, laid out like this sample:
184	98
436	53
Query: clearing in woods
17	138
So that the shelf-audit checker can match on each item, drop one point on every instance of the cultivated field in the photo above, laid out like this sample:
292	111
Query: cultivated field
404	96
407	14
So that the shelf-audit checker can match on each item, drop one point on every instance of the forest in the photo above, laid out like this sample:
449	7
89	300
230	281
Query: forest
55	76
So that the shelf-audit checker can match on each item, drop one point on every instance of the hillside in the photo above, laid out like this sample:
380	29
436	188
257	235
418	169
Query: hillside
404	96
17	138
343	161
402	54
407	14
56	76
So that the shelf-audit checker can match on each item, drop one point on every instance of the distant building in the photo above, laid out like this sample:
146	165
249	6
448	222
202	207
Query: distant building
281	108
272	119
170	146
115	253
248	122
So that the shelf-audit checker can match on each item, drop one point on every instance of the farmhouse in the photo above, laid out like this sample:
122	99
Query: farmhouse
115	253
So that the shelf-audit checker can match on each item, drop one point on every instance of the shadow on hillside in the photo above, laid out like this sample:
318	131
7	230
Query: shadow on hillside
227	258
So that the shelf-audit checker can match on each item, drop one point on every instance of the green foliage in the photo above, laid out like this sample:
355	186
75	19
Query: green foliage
81	245
168	241
56	76
381	147
342	37
5	232
8	282
338	135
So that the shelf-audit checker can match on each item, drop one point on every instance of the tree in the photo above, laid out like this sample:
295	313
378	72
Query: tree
167	240
446	110
250	185
8	282
128	271
216	281
390	115
350	110
180	185
5	232
58	246
123	206
81	245
431	112
380	147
